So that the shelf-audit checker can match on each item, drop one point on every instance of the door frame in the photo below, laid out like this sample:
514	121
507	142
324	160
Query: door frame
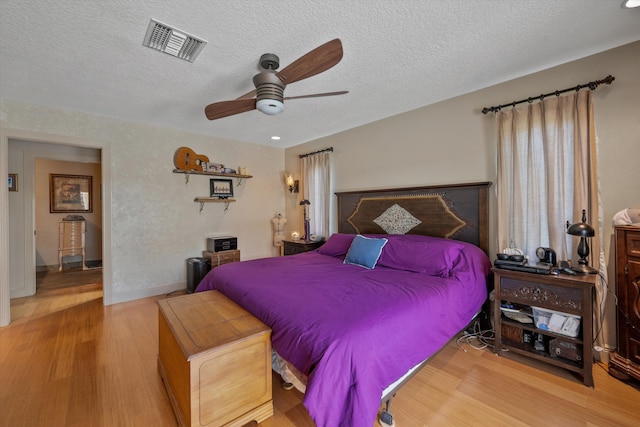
5	135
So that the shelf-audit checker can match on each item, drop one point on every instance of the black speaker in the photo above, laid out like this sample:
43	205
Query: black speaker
197	268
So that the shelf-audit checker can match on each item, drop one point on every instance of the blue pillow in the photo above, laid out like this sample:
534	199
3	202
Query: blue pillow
365	251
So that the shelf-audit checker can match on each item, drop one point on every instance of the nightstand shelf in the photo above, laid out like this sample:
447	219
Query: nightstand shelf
544	356
566	296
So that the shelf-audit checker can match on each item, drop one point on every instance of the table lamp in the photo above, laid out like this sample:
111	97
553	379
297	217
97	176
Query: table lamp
582	230
305	203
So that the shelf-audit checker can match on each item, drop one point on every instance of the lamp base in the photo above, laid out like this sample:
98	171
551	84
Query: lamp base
584	269
307	231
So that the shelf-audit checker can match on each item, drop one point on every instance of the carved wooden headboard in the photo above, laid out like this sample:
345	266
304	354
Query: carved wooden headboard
456	211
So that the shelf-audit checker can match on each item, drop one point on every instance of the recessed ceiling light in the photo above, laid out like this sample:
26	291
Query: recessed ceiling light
630	3
275	138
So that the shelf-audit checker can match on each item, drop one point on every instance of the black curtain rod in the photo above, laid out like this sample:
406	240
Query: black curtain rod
316	152
591	85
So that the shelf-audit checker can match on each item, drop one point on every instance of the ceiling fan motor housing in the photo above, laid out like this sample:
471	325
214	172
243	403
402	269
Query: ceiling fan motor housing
269	92
269	61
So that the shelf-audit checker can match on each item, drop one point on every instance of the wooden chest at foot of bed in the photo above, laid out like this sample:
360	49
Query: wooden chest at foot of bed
215	361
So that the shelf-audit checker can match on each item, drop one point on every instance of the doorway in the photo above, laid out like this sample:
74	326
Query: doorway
34	228
54	230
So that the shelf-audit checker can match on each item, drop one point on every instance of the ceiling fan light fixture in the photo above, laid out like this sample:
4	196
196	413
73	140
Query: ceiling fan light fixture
270	106
629	4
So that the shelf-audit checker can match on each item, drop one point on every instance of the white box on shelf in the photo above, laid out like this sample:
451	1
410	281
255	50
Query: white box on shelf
556	321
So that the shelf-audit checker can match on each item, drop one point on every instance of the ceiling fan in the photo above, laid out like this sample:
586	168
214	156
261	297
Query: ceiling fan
268	96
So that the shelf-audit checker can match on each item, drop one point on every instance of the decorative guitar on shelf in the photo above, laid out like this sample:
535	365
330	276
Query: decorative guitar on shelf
186	159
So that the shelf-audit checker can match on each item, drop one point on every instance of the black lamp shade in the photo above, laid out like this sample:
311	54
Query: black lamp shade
581	230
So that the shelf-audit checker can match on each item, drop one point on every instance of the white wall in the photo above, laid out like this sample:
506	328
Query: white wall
453	142
152	225
20	285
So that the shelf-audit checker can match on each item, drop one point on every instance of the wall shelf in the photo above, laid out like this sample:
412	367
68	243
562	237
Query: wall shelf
227	175
203	200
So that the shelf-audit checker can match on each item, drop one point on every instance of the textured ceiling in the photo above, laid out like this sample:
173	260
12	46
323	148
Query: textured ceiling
87	55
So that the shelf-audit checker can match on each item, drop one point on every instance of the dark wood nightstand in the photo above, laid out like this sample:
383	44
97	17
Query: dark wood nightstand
292	247
564	295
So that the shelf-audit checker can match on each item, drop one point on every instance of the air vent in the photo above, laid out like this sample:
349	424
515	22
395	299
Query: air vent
170	40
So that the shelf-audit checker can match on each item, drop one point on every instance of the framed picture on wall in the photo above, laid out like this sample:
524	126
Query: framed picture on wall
221	188
13	182
70	193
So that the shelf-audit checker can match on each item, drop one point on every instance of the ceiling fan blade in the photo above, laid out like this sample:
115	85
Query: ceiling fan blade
315	62
218	110
316	95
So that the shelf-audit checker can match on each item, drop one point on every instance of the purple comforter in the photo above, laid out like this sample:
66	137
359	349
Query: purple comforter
351	330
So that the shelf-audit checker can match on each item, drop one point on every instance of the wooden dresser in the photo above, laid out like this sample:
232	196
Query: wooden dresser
71	240
625	362
215	361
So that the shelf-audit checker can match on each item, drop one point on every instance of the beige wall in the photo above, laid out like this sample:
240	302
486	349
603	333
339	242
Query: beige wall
453	142
151	223
47	232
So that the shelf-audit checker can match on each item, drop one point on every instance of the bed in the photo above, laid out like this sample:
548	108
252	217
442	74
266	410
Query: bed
355	326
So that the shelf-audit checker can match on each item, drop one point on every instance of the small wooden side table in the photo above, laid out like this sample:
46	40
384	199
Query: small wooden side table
222	257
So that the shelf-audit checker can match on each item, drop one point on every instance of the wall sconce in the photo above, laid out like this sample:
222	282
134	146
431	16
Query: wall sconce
292	184
582	230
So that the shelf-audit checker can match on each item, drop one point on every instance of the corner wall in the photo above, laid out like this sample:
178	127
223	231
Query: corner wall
453	142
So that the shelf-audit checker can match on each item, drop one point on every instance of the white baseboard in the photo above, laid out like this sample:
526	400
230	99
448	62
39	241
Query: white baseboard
118	297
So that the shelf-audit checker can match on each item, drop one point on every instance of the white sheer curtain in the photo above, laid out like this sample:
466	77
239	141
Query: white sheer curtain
316	172
547	174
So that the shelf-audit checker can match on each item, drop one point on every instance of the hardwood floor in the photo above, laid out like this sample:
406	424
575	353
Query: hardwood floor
66	360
